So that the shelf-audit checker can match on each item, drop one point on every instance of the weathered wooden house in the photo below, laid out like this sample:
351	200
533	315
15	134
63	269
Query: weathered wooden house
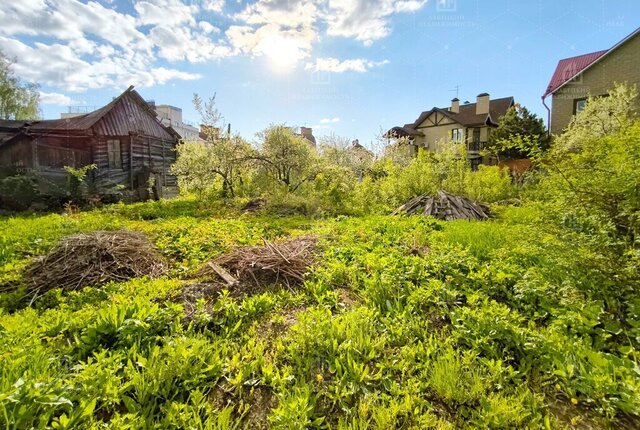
124	139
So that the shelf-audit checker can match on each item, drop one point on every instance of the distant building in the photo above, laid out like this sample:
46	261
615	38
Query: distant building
74	111
171	116
361	157
307	133
468	124
209	133
577	78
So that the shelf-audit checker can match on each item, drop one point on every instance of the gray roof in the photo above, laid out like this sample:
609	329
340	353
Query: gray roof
466	116
124	114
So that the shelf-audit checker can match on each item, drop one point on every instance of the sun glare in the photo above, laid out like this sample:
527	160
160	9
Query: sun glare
282	53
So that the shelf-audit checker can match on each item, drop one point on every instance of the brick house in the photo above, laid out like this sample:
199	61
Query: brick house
469	124
594	74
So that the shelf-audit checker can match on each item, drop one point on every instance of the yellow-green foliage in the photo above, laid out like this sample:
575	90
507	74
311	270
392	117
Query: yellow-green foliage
489	184
296	178
404	322
393	183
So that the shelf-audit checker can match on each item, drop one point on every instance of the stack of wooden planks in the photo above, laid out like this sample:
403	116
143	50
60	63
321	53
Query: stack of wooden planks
444	206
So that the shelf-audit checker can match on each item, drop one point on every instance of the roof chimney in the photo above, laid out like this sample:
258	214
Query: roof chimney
455	105
482	104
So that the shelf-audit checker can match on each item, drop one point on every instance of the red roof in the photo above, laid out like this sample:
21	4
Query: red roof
569	68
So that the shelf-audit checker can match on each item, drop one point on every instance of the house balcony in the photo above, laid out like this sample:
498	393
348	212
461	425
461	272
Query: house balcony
475	147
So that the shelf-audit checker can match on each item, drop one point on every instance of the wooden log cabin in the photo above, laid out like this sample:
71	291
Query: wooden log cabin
124	139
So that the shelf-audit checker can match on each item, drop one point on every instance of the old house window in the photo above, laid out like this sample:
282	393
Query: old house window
457	135
114	154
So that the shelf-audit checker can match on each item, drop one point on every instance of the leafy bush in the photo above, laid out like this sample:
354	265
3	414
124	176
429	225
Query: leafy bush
18	192
296	178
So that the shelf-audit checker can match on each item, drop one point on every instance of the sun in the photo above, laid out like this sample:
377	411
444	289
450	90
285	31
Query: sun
283	53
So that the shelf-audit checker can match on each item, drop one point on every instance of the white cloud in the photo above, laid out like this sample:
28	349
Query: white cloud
207	27
282	30
58	66
165	12
329	120
273	41
214	5
182	43
286	13
56	99
85	46
69	20
366	20
334	65
79	45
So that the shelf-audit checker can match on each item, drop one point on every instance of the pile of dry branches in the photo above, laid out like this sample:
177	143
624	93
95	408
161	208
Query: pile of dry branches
93	259
254	205
283	263
444	206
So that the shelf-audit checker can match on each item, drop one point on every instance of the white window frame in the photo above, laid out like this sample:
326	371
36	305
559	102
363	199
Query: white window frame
457	135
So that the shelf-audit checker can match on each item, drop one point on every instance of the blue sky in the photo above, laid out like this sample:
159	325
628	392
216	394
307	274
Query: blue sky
349	67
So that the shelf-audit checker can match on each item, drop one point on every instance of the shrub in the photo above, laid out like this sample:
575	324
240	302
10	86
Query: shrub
594	170
489	184
18	192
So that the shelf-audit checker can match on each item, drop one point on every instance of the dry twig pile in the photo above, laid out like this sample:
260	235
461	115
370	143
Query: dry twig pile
94	259
283	263
254	205
444	206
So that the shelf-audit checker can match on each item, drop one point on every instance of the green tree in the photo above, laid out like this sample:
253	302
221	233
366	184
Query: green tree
601	116
288	158
341	152
519	133
201	167
18	100
78	180
594	168
220	160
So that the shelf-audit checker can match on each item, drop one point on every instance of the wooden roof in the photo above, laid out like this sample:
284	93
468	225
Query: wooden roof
127	113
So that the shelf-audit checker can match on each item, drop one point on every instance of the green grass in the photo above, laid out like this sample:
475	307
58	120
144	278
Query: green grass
405	322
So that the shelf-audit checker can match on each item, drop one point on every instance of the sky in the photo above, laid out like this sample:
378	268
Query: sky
346	67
